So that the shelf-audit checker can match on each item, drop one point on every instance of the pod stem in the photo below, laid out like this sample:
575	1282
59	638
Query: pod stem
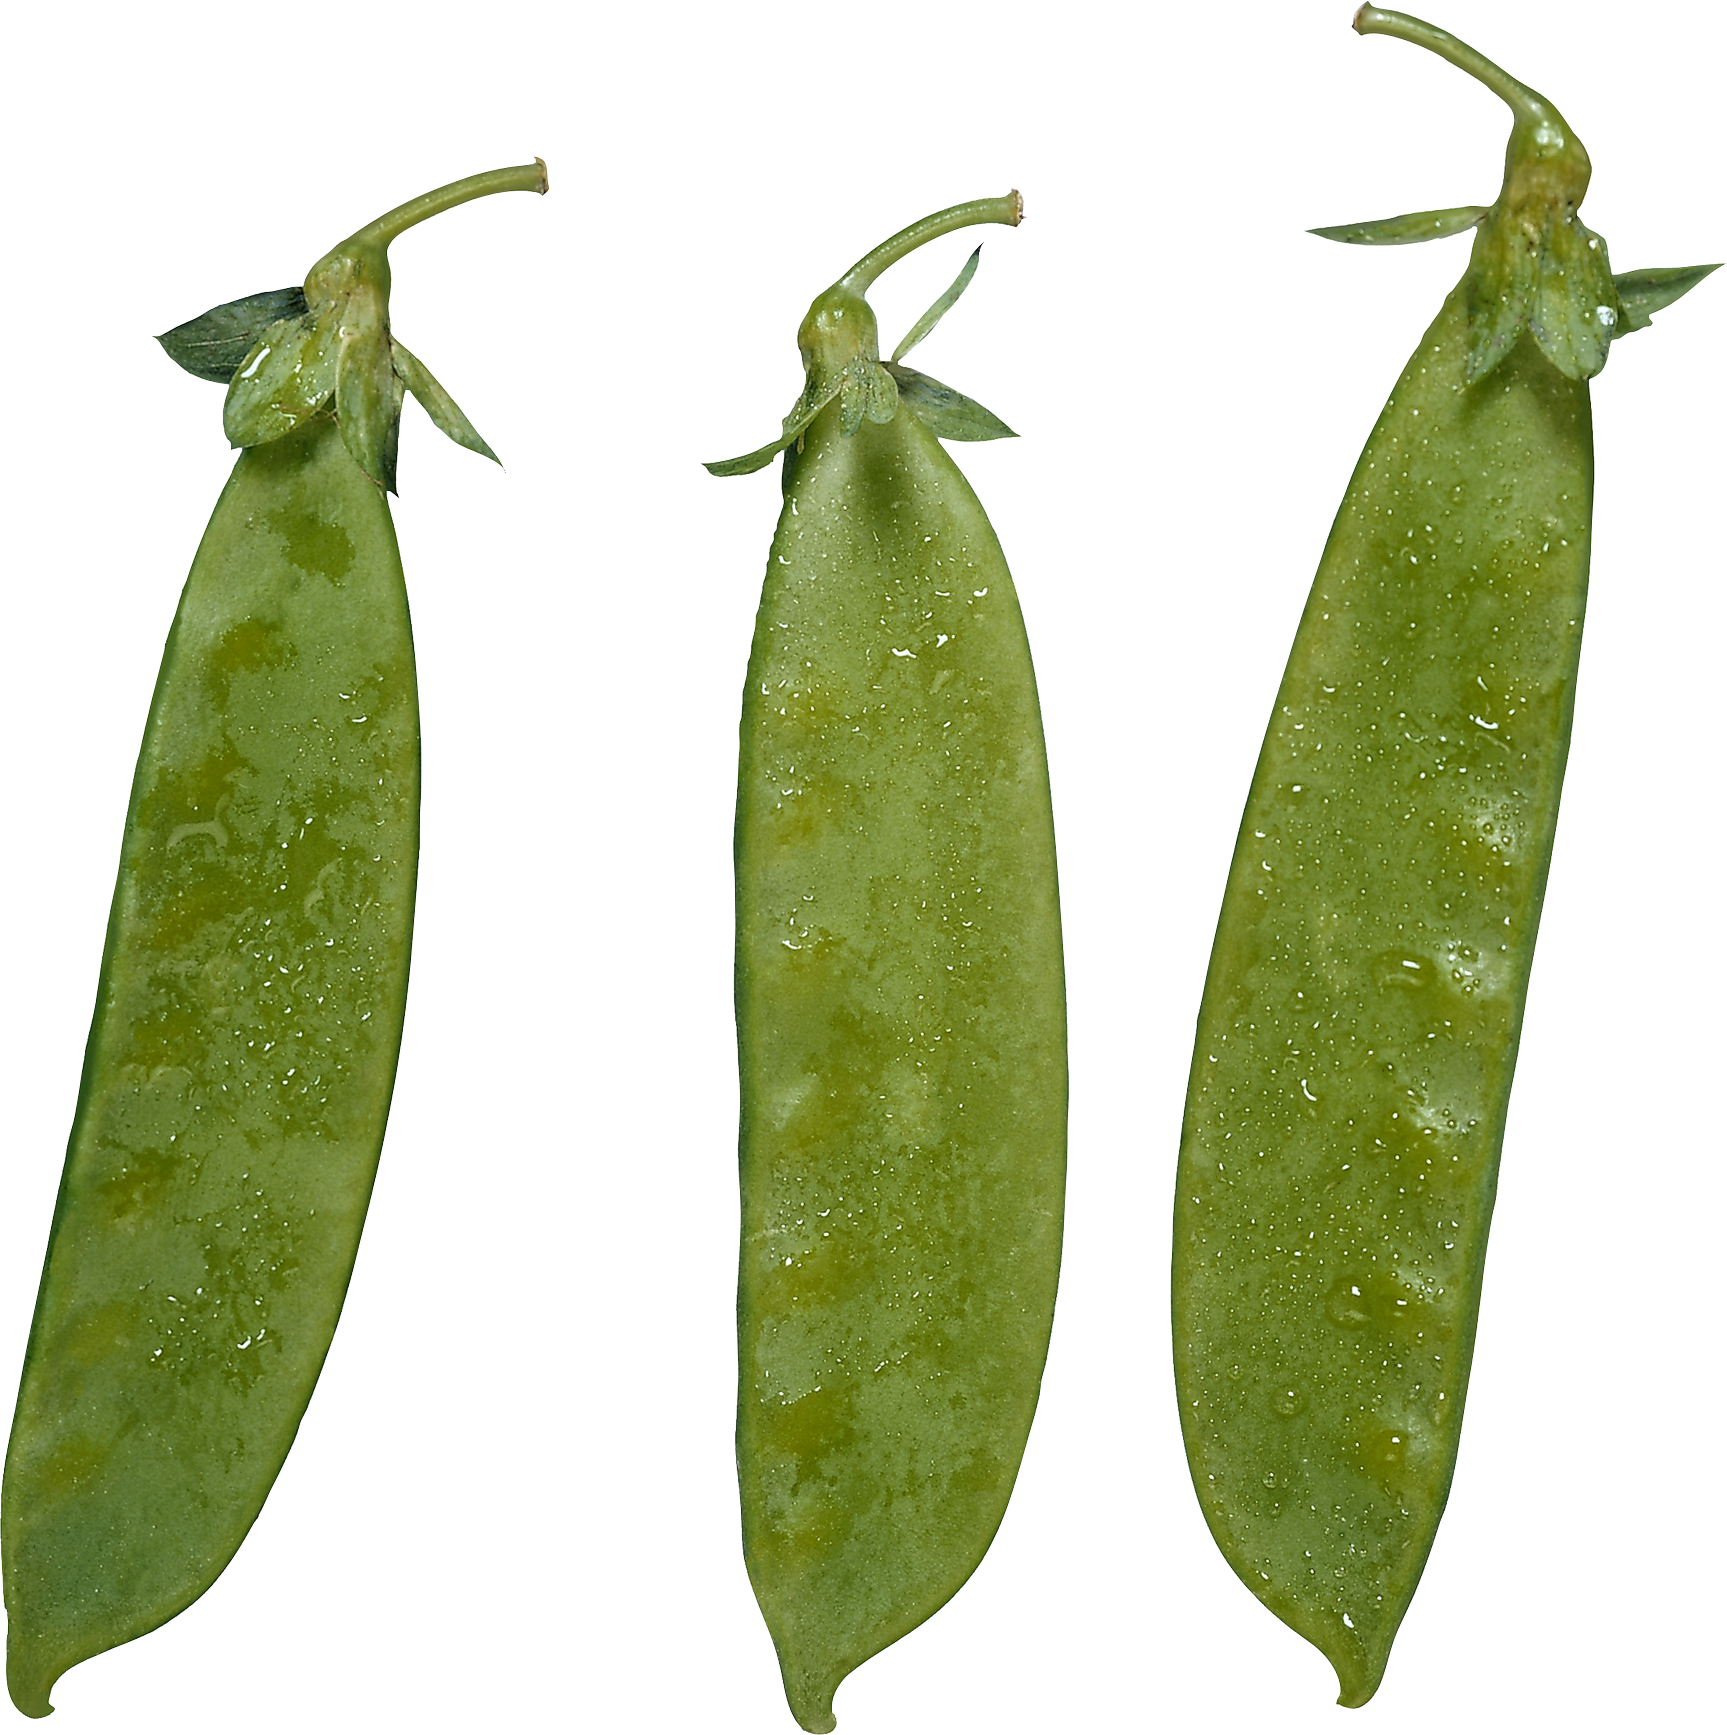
1008	209
523	178
1525	103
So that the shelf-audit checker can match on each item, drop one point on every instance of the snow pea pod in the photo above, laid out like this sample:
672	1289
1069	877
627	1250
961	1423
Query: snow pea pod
243	1050
901	1017
1360	1019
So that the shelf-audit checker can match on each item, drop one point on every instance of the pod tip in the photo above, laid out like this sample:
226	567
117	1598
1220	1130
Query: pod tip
545	179
1359	1672
29	1682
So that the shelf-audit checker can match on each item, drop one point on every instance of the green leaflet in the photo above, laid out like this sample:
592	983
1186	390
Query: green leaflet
870	390
811	402
948	414
1563	291
932	318
445	412
1411	227
1644	293
866	390
1498	293
369	406
1534	266
215	344
1574	309
1573	331
295	366
333	340
287	376
1563	294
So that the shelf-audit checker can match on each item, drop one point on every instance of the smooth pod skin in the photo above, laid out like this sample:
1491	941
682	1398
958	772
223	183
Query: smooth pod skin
249	1014
1361	1016
239	1069
901	1037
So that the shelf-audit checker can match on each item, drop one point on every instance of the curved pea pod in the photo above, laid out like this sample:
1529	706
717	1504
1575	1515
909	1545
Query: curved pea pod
249	1013
1360	1020
901	1020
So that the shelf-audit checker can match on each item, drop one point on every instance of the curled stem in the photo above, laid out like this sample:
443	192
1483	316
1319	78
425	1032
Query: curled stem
1008	209
1534	266
522	178
1525	103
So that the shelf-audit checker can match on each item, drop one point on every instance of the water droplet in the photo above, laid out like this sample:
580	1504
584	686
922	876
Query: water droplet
1402	969
1383	1454
1346	1305
1288	1397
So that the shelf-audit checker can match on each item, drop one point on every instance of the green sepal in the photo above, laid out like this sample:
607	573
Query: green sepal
759	459
1501	293
839	343
1575	309
1411	227
941	304
445	412
948	414
369	405
1553	279
215	345
330	344
1644	293
287	376
866	389
811	402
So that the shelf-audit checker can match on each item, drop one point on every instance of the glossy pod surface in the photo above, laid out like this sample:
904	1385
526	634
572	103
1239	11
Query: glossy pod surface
901	1032
239	1068
243	1051
1361	1015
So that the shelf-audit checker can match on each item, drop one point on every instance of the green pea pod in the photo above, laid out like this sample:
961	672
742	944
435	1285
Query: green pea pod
1361	1015
243	1050
901	1020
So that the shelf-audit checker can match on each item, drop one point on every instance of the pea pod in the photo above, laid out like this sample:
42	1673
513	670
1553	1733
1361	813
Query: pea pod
901	1020
1360	1020
244	1044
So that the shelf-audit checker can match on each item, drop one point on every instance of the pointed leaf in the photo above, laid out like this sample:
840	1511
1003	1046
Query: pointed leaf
750	462
1501	292
881	394
866	390
940	306
948	414
369	405
215	345
1643	293
810	404
1411	227
287	376
1575	308
438	404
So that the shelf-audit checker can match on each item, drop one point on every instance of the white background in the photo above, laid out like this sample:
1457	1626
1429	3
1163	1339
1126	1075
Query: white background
511	1505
